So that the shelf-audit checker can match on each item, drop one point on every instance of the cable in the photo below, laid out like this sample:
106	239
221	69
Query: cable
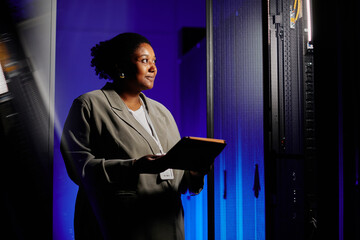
296	7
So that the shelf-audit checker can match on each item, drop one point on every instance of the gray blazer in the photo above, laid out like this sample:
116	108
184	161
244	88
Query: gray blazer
99	143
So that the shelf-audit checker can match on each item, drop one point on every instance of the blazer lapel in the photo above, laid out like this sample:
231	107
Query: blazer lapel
120	109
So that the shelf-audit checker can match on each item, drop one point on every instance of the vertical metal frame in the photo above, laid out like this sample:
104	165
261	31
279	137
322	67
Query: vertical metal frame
210	112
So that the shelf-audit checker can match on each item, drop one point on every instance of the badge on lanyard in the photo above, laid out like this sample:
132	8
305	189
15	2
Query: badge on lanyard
167	175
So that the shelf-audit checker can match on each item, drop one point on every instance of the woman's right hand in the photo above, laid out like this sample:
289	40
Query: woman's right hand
150	164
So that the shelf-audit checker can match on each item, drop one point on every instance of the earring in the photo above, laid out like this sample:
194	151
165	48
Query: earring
122	75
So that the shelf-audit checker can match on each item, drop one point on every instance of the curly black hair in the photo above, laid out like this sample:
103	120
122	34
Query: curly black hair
114	54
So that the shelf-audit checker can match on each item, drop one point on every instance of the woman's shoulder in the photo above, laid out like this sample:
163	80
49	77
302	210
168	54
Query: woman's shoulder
91	98
91	95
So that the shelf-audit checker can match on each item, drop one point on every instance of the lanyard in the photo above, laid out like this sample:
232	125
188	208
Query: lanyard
167	174
154	135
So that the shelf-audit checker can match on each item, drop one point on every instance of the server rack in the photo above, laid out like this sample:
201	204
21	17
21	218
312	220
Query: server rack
25	147
290	153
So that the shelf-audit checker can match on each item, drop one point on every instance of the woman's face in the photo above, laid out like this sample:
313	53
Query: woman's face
143	60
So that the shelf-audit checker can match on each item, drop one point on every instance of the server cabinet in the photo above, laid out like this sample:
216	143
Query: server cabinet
235	47
290	122
26	196
25	138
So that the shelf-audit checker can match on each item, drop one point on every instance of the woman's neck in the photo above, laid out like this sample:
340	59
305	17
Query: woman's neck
130	97
132	101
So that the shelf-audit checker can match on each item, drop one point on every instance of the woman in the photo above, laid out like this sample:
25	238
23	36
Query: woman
113	142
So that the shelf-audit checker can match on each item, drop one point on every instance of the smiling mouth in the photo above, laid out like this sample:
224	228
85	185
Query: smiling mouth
150	77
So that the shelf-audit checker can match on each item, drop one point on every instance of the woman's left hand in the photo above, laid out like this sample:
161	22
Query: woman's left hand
202	172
